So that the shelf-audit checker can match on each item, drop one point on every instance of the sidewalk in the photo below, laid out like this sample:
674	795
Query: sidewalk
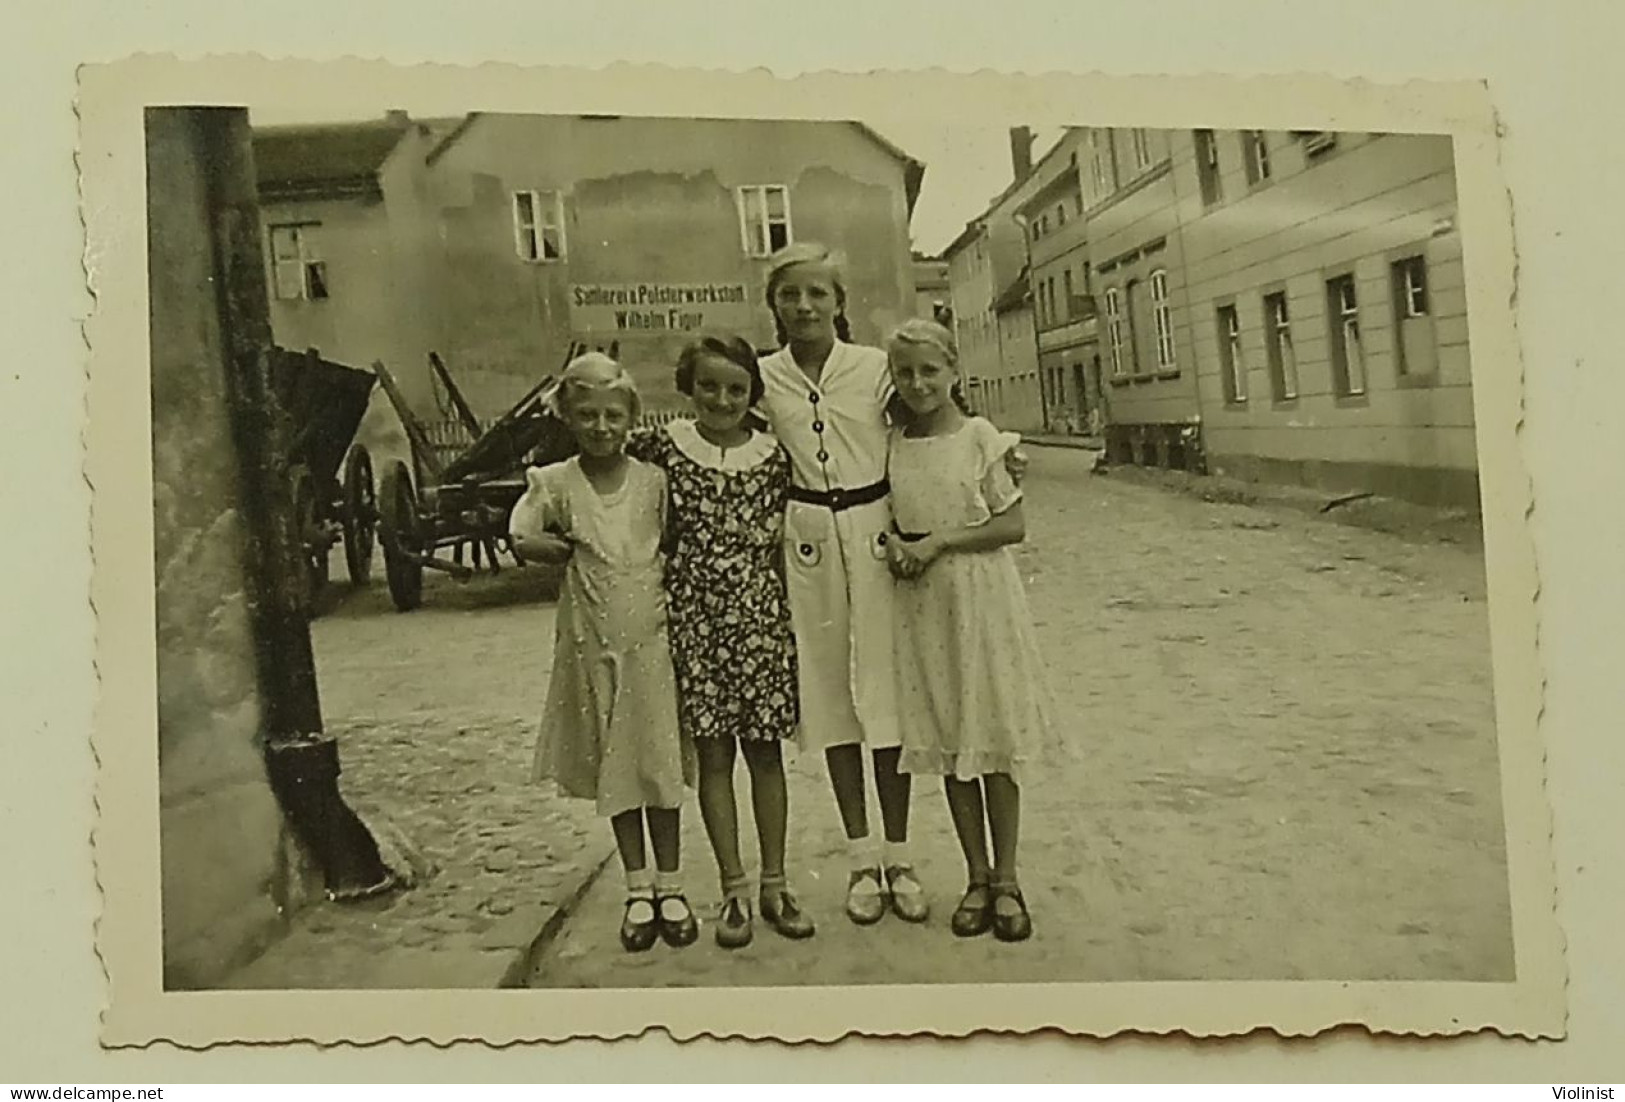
1369	511
435	712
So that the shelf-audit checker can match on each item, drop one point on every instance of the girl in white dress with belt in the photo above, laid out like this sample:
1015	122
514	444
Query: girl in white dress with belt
825	399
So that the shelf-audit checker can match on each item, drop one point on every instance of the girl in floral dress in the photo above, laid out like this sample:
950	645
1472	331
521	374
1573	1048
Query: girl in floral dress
609	730
971	698
732	643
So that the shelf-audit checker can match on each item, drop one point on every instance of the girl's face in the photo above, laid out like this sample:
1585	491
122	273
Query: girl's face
805	302
923	377
600	417
721	393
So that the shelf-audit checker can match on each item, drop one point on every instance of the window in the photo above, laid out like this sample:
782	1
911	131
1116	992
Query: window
1348	359
1256	154
1163	317
1102	168
1207	166
1060	215
1230	356
298	273
1283	358
1141	140
538	225
1049	290
1066	289
1316	142
1114	332
764	220
1415	350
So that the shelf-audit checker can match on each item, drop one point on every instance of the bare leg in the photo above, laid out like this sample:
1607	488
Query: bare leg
718	808
966	808
771	803
894	788
846	778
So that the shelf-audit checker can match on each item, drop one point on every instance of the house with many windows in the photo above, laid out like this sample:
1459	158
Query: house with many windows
497	240
1328	312
994	321
1135	256
1064	312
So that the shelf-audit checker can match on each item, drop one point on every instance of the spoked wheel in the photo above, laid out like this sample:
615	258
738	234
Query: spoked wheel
400	533
307	514
360	515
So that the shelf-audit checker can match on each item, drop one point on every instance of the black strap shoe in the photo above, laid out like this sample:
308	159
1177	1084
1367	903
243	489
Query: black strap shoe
1011	927
676	932
637	937
974	915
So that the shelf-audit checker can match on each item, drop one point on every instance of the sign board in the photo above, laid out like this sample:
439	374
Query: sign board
617	310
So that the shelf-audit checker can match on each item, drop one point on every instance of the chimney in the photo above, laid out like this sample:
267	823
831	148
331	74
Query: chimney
1021	150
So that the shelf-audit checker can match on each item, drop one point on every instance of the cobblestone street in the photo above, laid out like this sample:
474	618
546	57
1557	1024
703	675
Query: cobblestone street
1279	763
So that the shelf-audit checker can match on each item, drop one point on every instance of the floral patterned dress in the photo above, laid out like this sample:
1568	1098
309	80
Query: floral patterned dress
731	638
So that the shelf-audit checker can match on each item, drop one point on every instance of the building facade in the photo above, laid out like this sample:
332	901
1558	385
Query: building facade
499	240
932	297
1327	302
1146	382
1067	330
993	315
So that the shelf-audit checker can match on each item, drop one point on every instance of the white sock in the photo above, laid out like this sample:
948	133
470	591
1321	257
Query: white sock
894	853
640	886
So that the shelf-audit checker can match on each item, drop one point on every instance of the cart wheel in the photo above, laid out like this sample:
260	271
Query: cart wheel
398	531
307	519
360	514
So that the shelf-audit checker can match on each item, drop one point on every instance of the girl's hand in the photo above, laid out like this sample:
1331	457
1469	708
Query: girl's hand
1015	461
546	548
898	559
927	551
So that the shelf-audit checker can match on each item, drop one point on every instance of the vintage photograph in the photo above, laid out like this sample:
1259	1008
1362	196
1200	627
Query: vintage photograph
596	551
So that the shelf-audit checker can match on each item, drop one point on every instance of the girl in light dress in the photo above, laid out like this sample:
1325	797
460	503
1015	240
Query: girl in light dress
610	729
732	642
972	702
829	402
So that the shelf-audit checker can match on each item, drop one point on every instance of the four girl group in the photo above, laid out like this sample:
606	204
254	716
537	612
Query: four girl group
845	580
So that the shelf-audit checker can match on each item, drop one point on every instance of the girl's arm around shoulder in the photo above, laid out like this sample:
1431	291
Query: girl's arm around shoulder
647	443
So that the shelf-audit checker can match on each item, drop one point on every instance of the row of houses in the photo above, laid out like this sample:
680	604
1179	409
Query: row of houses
1282	306
499	240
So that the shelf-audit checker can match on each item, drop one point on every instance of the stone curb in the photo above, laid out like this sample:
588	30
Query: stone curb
523	962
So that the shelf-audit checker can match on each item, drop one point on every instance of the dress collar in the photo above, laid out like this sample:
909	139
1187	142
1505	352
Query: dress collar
685	435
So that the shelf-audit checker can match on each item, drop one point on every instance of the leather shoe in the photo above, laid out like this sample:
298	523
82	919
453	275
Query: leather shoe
907	895
1011	927
974	915
867	907
637	937
781	911
734	924
676	932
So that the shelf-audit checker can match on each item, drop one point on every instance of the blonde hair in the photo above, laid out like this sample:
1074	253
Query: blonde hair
918	331
932	334
594	371
808	252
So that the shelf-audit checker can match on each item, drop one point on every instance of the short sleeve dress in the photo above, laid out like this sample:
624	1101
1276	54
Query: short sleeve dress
609	730
972	697
731	638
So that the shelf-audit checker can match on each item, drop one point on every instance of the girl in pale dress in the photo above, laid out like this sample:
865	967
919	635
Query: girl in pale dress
825	399
609	730
971	698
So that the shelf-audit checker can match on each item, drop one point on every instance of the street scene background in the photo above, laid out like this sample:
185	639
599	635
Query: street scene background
1276	761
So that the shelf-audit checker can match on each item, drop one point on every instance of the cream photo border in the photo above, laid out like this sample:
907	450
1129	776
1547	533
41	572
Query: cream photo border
112	101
